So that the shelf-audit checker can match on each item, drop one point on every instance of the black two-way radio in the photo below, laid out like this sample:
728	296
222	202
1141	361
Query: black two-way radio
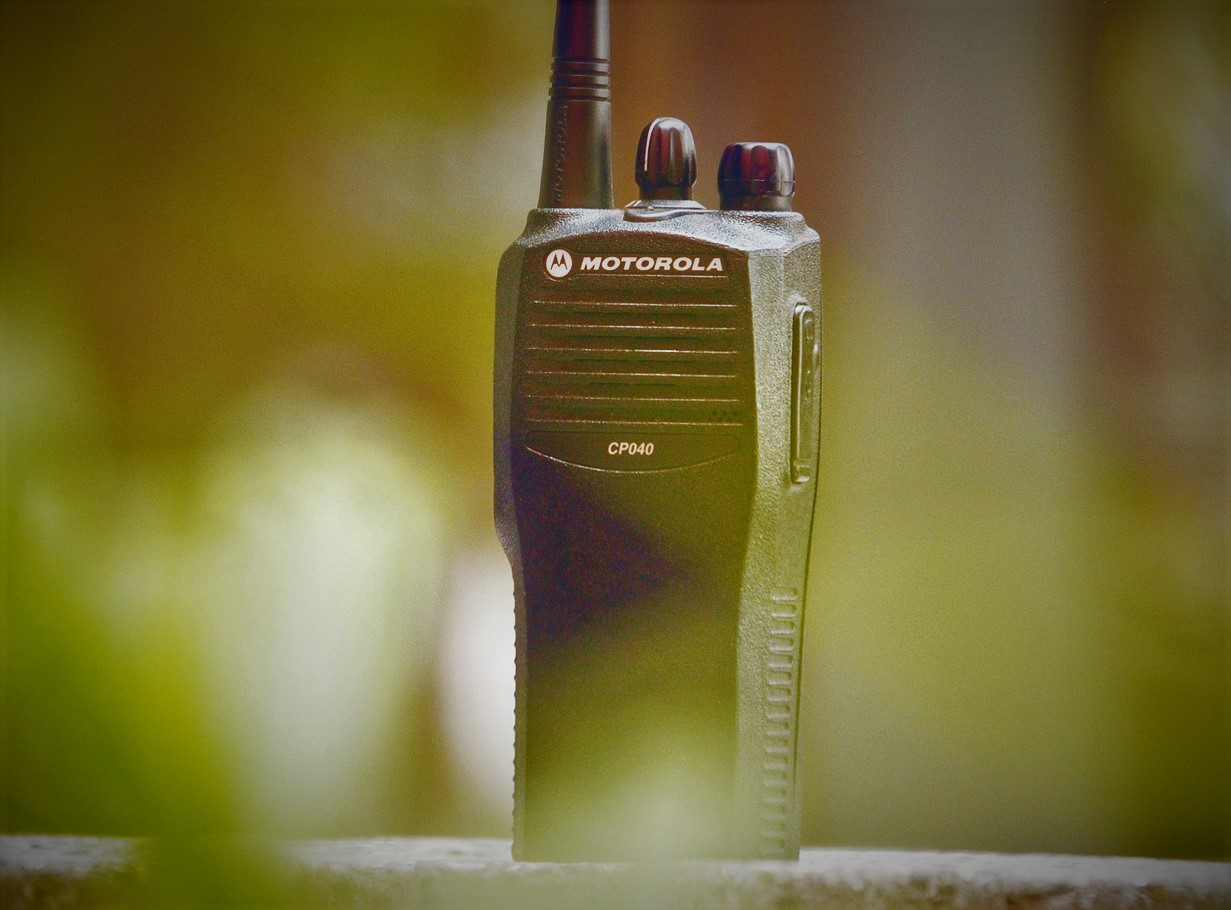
657	408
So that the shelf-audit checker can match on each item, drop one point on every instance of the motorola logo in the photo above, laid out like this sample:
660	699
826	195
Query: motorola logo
559	263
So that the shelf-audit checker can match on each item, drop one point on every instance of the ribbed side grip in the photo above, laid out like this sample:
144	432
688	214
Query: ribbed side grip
591	364
781	699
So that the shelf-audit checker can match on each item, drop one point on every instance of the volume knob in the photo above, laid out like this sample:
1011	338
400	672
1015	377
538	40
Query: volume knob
666	160
757	176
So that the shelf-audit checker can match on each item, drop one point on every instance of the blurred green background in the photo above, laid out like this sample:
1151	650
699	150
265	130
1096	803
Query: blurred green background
248	258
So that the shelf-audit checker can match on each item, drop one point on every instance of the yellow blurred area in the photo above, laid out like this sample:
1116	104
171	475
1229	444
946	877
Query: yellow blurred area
247	272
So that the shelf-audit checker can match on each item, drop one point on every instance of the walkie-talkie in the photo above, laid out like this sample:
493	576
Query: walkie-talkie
657	409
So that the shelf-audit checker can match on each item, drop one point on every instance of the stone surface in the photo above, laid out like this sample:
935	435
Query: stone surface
66	872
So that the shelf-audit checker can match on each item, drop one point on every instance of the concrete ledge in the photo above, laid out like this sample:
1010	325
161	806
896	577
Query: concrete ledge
65	872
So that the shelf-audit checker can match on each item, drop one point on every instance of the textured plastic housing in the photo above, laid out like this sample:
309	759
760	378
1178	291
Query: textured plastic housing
659	586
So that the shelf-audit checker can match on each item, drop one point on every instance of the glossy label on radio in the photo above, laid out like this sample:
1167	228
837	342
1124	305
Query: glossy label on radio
632	451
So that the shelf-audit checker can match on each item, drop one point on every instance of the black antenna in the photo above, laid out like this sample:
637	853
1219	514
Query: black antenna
577	147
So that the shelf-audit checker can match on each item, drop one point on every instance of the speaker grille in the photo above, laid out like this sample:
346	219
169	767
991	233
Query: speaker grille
595	363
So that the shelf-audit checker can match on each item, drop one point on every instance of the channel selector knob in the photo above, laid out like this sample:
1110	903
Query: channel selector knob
666	160
756	176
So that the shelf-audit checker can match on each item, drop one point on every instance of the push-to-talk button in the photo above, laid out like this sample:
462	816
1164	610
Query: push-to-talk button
806	364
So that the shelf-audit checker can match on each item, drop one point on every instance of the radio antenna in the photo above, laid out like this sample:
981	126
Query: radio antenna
577	146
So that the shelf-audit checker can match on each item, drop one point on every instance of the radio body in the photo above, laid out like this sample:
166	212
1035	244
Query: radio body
657	410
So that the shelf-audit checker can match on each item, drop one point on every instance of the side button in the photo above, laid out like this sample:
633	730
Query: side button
806	367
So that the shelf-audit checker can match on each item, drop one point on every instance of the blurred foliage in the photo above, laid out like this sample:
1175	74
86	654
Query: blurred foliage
247	265
248	252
